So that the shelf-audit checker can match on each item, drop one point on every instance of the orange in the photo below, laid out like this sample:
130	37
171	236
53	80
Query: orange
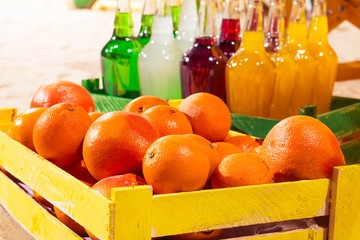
42	200
95	115
168	120
211	234
175	163
69	222
143	103
59	133
80	172
116	144
244	142
240	169
225	149
53	92
208	114
105	185
299	148
209	149
23	126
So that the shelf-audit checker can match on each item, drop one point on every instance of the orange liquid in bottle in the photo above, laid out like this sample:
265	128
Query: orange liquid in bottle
305	59
285	66
249	77
327	64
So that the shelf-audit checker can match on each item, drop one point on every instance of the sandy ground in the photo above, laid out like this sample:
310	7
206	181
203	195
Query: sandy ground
44	40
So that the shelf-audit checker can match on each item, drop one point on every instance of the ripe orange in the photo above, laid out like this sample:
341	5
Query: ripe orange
69	222
240	169
51	93
175	163
105	185
225	149
168	120
211	234
299	148
23	126
59	133
244	142
95	115
209	149
116	143
143	103
41	200
208	114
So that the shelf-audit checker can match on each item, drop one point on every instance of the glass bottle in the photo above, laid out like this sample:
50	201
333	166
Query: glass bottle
146	22
297	43
250	72
158	61
187	25
175	8
202	67
119	56
285	66
327	58
218	14
230	28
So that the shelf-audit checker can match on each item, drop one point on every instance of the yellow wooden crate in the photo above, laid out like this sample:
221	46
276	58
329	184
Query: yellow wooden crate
135	213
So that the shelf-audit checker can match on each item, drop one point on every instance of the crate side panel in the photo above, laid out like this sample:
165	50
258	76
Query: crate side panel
7	115
231	207
30	214
351	152
344	121
104	103
309	234
70	195
345	204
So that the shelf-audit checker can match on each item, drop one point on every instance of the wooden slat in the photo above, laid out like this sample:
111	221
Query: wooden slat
343	121
303	234
30	214
351	152
345	203
7	115
73	197
348	71
223	208
254	126
132	212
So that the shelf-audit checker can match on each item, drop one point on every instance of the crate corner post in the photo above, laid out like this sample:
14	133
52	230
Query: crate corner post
344	207
133	207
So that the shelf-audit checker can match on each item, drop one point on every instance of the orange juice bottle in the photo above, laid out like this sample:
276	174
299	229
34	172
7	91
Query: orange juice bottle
285	66
327	58
298	46
249	74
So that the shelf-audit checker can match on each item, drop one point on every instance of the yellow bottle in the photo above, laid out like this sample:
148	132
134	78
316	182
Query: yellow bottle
305	59
249	73
285	66
327	58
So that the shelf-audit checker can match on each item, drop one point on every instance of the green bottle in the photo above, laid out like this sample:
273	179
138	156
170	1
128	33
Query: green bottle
175	8
146	22
119	56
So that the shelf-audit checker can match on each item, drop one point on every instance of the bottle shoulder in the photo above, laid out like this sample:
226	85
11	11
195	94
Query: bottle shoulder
121	46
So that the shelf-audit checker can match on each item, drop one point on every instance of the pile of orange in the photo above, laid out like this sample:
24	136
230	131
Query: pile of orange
172	149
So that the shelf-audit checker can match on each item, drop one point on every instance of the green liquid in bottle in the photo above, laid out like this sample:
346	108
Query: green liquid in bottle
175	13
119	59
145	31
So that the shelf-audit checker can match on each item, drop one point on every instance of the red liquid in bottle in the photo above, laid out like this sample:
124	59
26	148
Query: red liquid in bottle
230	37
202	69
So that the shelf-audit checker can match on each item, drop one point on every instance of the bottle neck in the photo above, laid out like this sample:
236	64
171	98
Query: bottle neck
298	12
162	29
252	41
274	36
146	24
123	25
318	29
206	26
205	41
254	17
230	30
188	16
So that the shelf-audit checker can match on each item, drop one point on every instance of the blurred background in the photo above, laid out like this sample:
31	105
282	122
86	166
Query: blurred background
43	40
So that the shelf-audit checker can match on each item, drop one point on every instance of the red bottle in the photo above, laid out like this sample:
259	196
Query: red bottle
230	28
202	67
